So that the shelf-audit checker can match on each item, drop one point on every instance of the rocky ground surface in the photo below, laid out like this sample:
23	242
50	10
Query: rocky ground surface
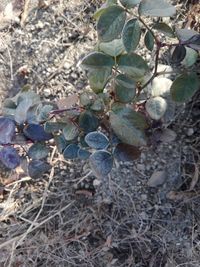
147	214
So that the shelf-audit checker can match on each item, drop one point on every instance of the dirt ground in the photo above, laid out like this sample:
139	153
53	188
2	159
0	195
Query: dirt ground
68	217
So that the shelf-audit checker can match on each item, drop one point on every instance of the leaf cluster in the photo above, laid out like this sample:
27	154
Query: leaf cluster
110	121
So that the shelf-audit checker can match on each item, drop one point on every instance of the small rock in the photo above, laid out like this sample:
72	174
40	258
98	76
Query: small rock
157	178
190	132
40	25
140	167
47	92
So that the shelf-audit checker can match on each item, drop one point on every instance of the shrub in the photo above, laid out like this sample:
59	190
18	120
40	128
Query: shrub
127	97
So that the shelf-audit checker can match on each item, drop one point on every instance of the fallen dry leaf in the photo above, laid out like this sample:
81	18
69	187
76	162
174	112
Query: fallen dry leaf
168	136
182	195
157	178
195	177
67	102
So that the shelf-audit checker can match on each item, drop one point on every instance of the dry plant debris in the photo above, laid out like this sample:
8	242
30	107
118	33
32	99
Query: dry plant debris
68	218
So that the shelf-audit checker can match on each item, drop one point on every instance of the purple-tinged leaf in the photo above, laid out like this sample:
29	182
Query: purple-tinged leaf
125	152
194	42
7	130
71	151
97	140
9	157
37	168
101	163
36	132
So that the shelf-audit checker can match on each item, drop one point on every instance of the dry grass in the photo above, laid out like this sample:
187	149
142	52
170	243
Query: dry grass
45	222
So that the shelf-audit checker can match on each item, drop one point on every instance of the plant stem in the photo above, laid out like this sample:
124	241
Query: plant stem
149	29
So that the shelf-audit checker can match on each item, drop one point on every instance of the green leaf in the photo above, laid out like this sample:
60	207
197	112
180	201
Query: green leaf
102	9
22	109
88	122
71	151
98	79
156	8
131	35
44	112
52	127
156	107
98	105
113	48
60	142
101	163
70	131
96	61
129	126
37	168
125	88
83	154
110	23
97	140
149	40
164	28
38	151
184	87
87	98
178	54
133	65
129	3
190	57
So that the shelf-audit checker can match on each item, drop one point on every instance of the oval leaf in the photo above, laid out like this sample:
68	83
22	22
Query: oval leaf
52	127
7	130
70	131
71	151
36	132
113	48
37	168
185	34
149	40
101	163
60	142
96	61
125	88
110	23
190	57
156	8
133	65
194	42
38	151
127	125
125	152
88	122
9	157
156	107
164	28
98	79
83	154
131	35
178	54
97	140
129	3
184	87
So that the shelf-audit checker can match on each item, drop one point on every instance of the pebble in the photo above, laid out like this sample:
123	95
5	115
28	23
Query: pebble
47	92
141	167
190	132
